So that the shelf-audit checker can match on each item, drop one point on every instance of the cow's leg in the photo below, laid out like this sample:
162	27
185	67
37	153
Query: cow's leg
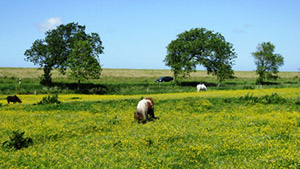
151	113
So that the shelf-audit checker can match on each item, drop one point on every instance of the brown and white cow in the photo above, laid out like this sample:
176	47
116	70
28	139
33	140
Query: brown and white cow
145	107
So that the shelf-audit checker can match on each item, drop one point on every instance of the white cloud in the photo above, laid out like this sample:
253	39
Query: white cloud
50	24
242	30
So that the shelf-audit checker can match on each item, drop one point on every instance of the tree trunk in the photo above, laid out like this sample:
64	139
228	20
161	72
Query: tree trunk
78	85
46	78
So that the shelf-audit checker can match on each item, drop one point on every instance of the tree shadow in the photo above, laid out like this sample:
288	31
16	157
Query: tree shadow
230	83
270	83
289	82
195	83
84	88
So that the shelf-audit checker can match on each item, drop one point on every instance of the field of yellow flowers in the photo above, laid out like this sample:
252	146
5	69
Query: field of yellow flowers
213	129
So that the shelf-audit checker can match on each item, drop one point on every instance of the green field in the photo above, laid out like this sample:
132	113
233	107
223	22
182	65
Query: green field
214	129
131	81
232	126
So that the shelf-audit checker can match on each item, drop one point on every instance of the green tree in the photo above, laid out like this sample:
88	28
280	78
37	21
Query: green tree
200	46
82	65
267	63
56	50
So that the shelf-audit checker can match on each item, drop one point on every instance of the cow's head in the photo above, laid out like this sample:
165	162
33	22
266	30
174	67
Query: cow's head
138	116
17	99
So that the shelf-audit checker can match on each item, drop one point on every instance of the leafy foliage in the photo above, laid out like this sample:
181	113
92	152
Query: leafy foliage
267	63
201	47
82	65
274	98
60	48
49	100
17	141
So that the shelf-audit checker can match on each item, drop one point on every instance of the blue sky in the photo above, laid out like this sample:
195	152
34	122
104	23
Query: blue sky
135	33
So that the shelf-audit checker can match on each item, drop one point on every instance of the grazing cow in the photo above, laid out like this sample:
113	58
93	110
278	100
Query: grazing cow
145	107
13	99
201	87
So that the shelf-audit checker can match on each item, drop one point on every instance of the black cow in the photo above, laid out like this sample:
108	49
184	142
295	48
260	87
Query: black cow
13	99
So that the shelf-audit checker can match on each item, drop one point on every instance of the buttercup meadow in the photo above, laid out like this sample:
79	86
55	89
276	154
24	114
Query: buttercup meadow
213	129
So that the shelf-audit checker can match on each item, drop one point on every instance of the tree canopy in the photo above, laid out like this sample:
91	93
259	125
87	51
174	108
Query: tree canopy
82	65
67	46
200	46
267	63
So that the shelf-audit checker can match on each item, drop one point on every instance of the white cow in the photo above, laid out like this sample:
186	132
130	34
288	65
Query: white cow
201	87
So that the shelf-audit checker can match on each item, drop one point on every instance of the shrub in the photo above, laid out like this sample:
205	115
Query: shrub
274	98
17	141
49	100
250	98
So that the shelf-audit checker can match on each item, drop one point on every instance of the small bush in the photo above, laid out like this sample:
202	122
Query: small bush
274	98
49	100
250	98
17	141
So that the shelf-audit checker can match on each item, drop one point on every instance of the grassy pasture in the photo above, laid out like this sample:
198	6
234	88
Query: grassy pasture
131	81
213	129
238	128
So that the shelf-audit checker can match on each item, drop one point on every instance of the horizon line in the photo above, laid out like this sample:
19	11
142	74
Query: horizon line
144	69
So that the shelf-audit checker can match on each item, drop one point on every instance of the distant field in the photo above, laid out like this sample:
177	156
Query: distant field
131	81
35	73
